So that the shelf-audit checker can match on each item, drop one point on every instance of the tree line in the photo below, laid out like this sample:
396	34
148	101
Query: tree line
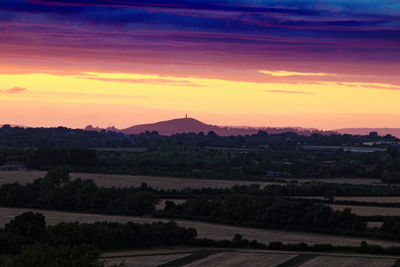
181	161
202	155
57	191
80	243
31	242
266	212
242	205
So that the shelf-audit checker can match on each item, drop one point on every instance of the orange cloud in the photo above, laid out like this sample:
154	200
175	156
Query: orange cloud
14	90
382	86
283	73
152	81
289	92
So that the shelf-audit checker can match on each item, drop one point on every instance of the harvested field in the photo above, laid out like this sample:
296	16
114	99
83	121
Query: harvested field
122	149
368	211
145	261
374	224
149	252
345	148
241	259
328	261
209	230
363	199
109	180
338	180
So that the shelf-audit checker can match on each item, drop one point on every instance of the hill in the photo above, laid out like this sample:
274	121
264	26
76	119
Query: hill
185	125
172	126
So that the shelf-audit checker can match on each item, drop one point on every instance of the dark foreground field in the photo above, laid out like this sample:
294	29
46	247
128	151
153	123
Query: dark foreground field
208	230
247	258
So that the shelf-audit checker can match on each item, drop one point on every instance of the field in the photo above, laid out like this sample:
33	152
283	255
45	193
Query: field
233	258
122	149
329	261
109	180
365	199
374	224
147	260
209	230
245	258
337	180
345	148
368	210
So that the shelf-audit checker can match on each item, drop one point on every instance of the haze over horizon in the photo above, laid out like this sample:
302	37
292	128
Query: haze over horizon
322	64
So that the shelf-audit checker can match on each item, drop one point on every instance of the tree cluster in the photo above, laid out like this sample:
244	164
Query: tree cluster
57	191
80	242
267	212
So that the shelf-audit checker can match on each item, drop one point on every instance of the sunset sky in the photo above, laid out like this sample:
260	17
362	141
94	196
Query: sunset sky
325	64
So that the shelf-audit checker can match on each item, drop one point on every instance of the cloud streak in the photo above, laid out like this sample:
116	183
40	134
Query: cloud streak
283	73
289	92
379	86
150	81
14	90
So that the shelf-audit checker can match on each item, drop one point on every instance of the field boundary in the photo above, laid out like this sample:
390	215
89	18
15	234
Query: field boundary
262	251
197	255
144	255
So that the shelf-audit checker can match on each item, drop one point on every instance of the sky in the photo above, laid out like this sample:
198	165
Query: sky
324	64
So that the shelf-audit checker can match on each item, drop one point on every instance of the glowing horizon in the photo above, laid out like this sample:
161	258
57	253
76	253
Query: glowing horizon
328	65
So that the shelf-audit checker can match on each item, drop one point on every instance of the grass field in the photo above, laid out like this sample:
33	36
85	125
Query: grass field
368	210
247	258
209	230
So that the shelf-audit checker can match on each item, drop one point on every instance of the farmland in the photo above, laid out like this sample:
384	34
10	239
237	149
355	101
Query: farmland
240	257
232	258
144	260
110	180
368	210
329	261
382	199
208	230
337	180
